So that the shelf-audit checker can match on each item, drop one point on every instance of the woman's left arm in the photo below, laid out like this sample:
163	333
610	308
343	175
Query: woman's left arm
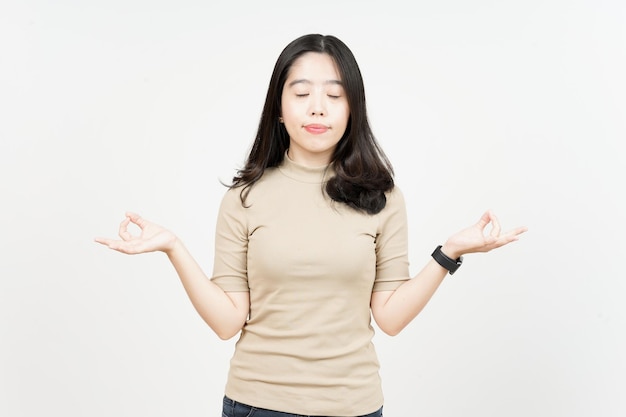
394	310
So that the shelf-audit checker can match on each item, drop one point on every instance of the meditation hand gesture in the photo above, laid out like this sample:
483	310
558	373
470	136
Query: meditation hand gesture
151	239
473	239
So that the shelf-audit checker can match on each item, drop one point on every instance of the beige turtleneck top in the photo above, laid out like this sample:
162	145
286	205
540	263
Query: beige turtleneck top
310	265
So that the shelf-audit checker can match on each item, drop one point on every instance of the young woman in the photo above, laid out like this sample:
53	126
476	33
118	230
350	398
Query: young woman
311	242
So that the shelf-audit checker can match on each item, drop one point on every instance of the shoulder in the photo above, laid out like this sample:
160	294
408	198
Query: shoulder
394	214
395	198
232	198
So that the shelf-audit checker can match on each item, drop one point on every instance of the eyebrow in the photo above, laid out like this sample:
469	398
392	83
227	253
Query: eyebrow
305	81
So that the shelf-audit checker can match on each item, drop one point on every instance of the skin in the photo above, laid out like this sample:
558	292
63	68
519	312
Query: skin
315	110
224	312
315	113
393	310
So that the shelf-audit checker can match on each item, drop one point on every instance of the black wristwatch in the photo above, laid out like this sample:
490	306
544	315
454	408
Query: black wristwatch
444	260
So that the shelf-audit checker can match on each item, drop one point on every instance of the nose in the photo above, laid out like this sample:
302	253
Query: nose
317	106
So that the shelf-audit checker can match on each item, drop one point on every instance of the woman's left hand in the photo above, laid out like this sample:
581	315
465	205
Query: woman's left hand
475	239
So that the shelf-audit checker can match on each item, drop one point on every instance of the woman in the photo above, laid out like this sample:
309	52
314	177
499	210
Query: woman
311	242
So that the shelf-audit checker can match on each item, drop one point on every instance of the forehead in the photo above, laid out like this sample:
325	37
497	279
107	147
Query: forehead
314	67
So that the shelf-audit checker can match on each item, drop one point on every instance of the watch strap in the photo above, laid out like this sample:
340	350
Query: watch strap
445	261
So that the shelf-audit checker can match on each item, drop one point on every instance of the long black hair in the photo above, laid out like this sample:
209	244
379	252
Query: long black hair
362	171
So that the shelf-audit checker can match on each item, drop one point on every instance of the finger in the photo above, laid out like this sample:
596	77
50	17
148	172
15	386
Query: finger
123	230
136	218
495	225
110	243
102	241
132	247
518	231
484	220
511	236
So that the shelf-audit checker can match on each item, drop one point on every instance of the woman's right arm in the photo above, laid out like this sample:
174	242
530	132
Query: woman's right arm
224	312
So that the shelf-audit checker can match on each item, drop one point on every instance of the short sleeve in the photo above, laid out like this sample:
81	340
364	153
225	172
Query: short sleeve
392	262
230	269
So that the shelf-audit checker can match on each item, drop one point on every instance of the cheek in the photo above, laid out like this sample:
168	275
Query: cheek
345	112
290	108
289	117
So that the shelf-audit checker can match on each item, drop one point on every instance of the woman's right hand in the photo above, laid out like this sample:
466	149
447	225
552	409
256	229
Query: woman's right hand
152	238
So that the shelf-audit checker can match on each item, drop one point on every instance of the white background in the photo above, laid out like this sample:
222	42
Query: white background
107	106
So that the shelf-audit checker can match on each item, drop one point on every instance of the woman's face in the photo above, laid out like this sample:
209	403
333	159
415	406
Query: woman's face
315	109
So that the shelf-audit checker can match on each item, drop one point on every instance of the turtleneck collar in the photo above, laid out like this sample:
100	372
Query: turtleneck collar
311	175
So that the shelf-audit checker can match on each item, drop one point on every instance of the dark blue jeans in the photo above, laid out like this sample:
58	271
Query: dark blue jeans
234	409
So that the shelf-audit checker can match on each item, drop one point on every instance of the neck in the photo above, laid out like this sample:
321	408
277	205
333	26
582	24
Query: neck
321	159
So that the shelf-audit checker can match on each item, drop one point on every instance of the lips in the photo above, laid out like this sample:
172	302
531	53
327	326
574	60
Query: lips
316	129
